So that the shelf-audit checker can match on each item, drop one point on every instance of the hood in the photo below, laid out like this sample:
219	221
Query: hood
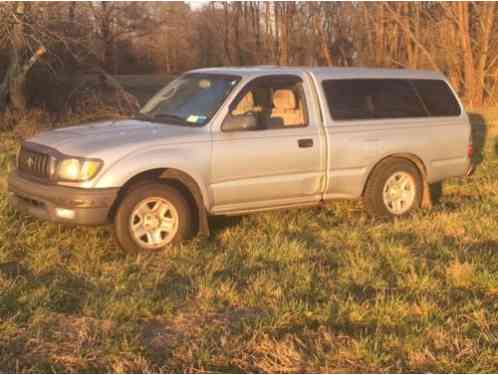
99	138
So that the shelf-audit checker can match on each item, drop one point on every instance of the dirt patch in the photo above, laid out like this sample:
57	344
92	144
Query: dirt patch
169	345
159	335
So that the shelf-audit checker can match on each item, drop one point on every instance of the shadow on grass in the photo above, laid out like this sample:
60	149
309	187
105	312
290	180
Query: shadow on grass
67	292
220	223
176	286
457	202
479	133
63	291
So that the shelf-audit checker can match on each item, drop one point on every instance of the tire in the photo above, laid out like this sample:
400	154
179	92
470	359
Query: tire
384	190
158	211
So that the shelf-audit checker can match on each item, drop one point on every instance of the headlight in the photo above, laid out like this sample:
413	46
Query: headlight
77	169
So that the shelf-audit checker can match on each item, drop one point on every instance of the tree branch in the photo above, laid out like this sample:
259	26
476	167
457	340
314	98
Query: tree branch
37	55
412	36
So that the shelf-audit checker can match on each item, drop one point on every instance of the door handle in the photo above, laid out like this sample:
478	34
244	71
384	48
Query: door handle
305	143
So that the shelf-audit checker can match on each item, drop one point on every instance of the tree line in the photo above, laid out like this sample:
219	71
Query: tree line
459	39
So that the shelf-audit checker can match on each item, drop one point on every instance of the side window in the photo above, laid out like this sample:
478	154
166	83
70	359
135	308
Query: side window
437	97
396	98
270	102
360	99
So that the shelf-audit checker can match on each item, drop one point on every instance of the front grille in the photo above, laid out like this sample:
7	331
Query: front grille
34	163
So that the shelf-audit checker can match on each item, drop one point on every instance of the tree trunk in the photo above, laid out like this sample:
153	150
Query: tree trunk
110	64
15	78
284	41
370	47
468	57
324	47
410	48
226	38
486	23
379	36
236	26
449	36
107	37
4	89
276	50
257	30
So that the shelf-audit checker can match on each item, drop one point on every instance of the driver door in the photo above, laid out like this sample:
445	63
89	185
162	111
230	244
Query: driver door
277	162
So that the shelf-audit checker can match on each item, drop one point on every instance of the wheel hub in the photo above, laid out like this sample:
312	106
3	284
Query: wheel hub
153	223
399	193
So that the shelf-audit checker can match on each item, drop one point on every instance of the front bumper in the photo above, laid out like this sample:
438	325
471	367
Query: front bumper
87	206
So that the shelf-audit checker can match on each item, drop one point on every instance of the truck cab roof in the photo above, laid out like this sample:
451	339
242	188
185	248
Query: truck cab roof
325	72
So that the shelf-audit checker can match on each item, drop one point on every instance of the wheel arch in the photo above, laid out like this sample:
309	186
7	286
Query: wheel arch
417	163
179	180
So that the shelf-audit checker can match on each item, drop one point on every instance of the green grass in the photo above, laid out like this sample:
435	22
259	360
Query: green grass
288	291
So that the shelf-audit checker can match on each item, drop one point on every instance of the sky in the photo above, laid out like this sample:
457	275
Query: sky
197	3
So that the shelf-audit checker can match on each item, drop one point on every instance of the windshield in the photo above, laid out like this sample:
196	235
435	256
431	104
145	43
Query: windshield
191	99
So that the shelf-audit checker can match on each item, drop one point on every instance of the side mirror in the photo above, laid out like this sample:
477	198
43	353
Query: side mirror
247	121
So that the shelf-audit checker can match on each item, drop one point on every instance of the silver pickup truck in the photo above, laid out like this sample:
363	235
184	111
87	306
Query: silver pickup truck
227	141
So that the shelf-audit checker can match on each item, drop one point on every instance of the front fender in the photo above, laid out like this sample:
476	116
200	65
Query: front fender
192	159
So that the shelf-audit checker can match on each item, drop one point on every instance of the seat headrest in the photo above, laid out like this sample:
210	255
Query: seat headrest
284	99
245	105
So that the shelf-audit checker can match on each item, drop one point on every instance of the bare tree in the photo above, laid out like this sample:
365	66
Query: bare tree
114	21
459	39
12	86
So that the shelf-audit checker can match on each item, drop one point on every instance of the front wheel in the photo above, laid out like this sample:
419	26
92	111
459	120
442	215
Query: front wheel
152	216
393	189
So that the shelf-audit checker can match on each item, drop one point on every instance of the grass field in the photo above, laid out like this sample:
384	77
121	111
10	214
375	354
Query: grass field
301	290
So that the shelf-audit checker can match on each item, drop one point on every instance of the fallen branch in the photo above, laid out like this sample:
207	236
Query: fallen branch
32	61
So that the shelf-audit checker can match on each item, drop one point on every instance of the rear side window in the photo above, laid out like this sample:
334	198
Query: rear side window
362	99
437	97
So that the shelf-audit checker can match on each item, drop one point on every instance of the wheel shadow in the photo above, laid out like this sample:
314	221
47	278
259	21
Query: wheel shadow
219	223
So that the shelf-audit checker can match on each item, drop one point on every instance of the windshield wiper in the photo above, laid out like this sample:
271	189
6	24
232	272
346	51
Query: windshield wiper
143	117
160	116
170	116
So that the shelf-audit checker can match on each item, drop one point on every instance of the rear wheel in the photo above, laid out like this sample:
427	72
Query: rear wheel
151	217
394	189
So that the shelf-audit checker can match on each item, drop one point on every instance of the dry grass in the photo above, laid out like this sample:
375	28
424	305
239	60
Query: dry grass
307	290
